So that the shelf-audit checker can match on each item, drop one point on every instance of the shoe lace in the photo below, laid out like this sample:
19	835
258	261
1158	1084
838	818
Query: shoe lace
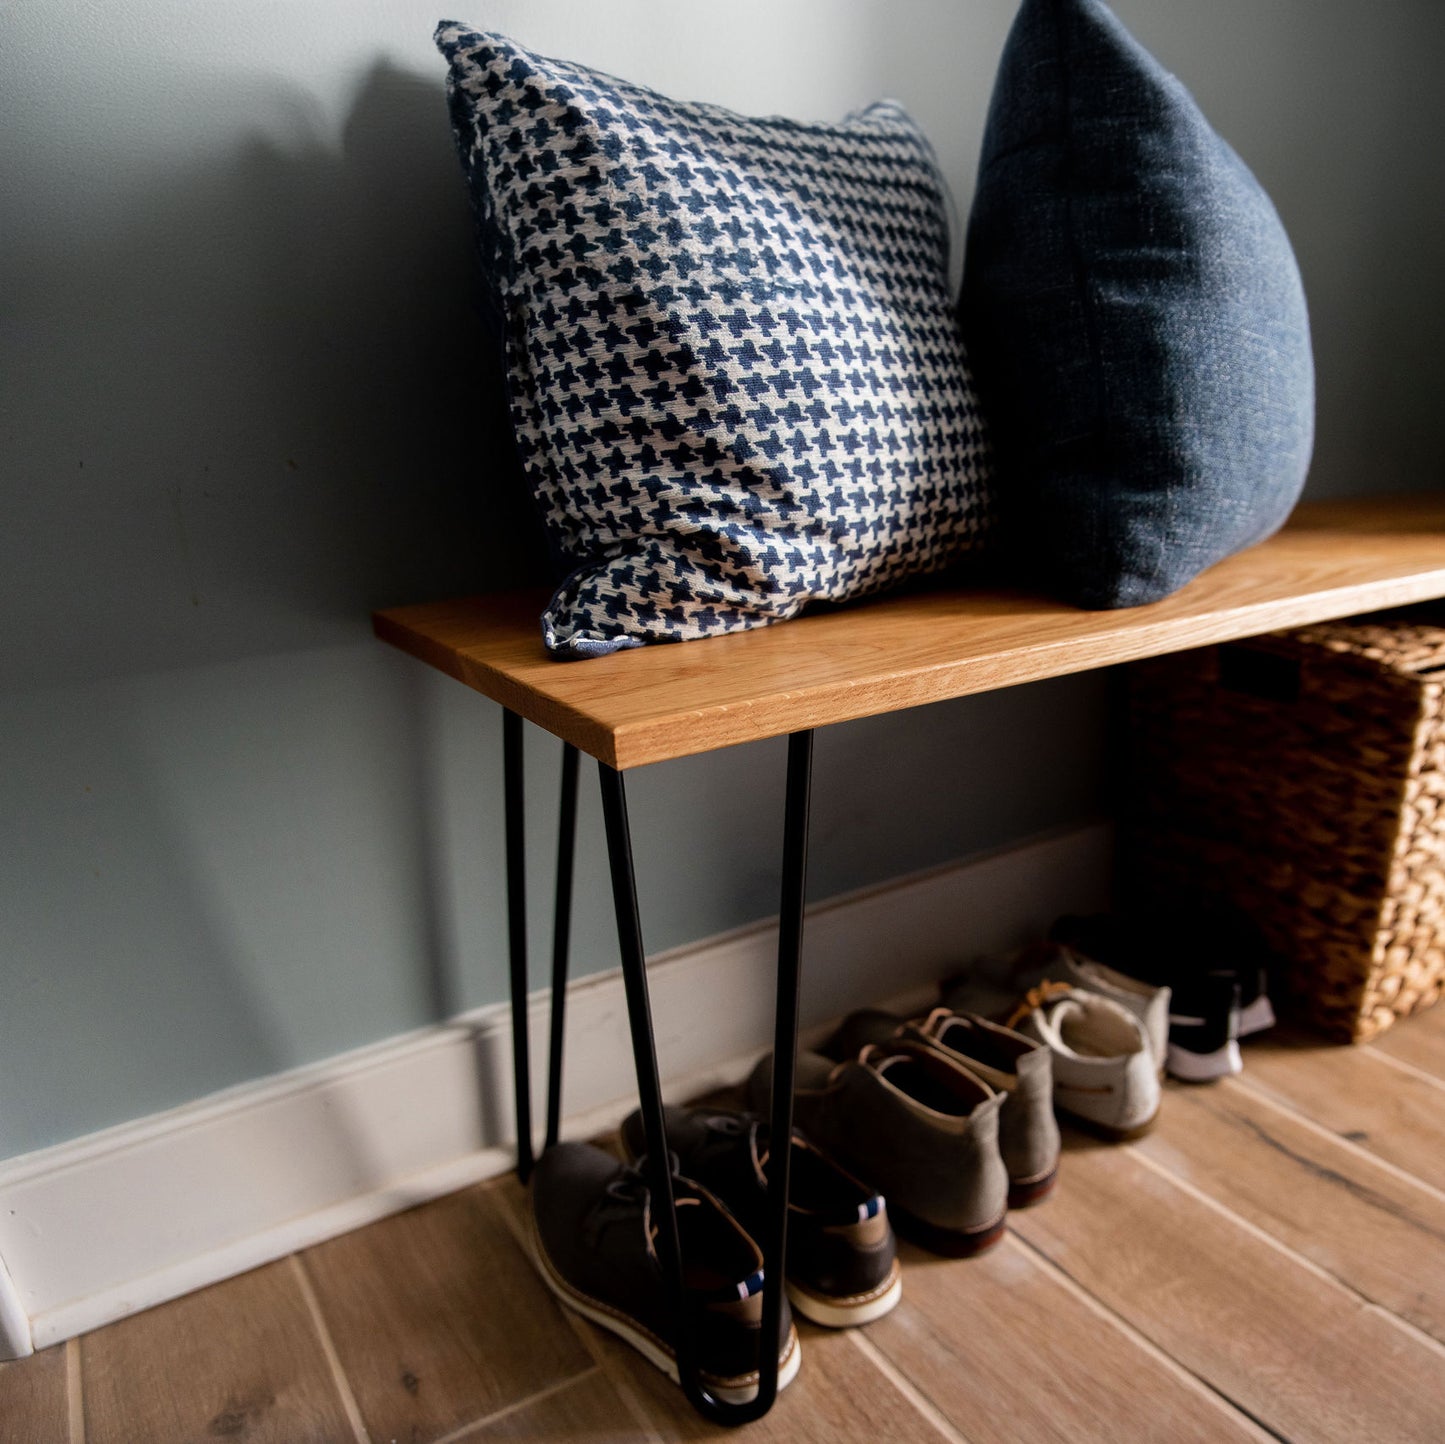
732	1126
868	1053
629	1191
1035	999
934	1023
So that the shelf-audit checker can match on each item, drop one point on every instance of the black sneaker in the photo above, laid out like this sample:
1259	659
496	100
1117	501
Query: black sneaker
594	1244
842	1263
1213	962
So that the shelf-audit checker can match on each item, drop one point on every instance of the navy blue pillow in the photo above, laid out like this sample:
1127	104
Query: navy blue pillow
1134	316
734	369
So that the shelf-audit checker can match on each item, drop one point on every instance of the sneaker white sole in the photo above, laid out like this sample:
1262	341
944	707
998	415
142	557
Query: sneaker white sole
740	1390
1112	1132
1258	1016
1203	1067
842	1313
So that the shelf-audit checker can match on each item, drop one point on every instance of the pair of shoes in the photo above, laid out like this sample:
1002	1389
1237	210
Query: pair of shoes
1105	1071
594	1243
842	1264
1213	963
1008	1062
910	1121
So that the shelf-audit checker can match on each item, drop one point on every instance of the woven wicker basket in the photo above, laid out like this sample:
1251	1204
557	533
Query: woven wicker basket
1301	777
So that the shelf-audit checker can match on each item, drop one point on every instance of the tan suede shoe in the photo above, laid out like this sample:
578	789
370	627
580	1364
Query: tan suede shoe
1012	1064
912	1123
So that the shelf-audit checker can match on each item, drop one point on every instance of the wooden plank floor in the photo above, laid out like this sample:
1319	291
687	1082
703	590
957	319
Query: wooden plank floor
1269	1263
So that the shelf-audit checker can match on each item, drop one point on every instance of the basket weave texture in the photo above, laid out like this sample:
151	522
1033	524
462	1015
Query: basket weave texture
1301	778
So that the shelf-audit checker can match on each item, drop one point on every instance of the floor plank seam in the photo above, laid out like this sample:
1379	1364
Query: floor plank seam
1414	1069
1367	1193
516	1407
585	1332
74	1392
1422	1336
328	1347
514	1225
1284	1105
920	1401
617	1377
1289	1252
1181	1370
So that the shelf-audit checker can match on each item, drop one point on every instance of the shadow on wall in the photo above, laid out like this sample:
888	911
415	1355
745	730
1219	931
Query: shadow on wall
199	892
254	404
369	297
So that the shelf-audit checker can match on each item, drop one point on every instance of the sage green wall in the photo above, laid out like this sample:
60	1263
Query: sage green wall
239	411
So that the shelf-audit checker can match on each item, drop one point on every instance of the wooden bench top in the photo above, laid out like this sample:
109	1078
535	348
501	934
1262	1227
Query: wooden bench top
1334	559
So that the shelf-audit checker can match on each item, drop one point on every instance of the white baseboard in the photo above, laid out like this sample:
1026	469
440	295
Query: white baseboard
104	1226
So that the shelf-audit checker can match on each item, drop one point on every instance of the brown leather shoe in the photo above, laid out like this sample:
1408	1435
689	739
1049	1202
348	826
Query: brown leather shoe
592	1236
842	1261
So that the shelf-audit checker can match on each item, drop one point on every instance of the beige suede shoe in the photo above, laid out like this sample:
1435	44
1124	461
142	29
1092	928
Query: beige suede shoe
1014	1065
912	1123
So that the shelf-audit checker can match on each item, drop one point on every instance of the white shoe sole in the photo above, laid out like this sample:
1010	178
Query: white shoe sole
1258	1016
1096	1105
740	1390
843	1313
1203	1067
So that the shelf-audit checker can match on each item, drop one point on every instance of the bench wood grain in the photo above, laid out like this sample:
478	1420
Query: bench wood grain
653	703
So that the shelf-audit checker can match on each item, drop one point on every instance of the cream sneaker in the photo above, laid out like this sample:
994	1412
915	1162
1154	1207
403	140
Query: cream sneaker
1148	1003
1104	1072
1060	962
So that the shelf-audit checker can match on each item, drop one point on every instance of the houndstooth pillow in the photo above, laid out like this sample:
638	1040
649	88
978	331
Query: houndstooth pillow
735	377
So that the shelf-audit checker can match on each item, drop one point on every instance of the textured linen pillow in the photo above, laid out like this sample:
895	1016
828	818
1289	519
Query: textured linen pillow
735	373
1135	318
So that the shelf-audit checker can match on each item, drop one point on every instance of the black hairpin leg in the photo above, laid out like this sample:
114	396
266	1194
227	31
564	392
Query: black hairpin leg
561	936
517	934
639	1014
792	901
